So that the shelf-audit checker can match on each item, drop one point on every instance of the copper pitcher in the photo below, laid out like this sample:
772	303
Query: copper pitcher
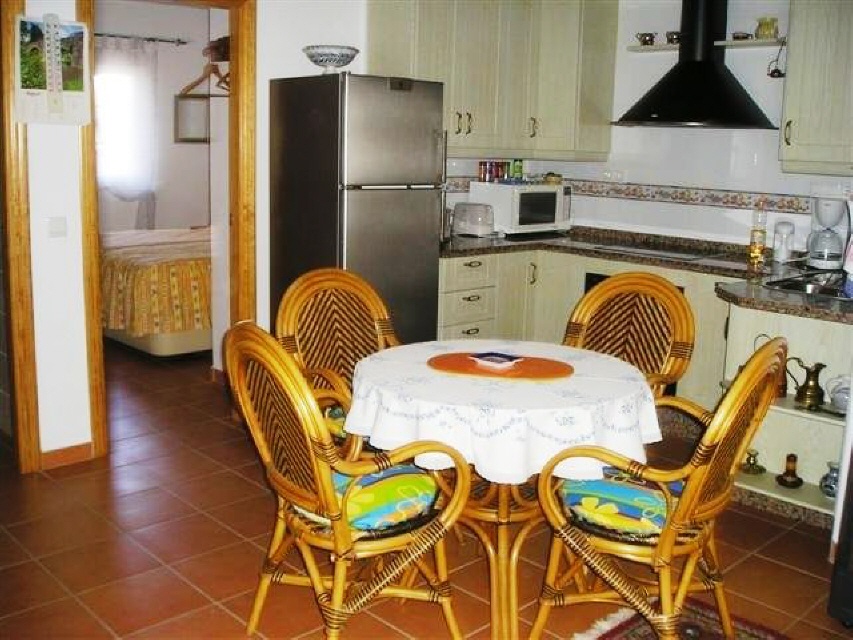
809	394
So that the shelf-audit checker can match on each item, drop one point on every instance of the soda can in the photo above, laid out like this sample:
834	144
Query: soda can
481	171
517	168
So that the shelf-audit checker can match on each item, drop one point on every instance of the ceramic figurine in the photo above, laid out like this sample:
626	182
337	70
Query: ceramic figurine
829	481
790	479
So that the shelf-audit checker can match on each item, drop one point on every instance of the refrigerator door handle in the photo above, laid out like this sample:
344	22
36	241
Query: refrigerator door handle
390	187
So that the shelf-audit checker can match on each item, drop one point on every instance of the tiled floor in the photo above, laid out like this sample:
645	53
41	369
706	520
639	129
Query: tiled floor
164	538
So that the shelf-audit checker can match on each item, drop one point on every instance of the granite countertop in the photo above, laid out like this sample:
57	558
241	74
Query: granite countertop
661	251
673	253
752	295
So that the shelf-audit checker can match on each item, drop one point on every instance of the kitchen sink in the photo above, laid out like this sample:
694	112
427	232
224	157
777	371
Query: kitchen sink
652	253
822	283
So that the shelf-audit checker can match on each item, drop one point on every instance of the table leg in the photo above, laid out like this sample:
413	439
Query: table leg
502	550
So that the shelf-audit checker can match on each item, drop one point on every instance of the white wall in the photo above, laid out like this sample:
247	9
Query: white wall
283	28
57	271
183	171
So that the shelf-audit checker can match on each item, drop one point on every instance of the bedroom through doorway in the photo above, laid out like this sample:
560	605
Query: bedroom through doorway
162	193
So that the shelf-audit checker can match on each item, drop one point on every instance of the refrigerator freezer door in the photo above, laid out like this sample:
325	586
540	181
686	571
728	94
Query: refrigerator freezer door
392	131
391	239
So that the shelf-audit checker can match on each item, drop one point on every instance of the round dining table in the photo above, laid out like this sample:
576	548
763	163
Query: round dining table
507	407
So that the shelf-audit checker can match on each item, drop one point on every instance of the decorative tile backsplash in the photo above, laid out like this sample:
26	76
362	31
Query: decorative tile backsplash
723	198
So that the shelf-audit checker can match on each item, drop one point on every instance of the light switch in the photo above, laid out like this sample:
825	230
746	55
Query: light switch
57	227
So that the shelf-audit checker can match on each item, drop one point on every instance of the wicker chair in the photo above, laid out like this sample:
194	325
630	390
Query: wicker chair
377	512
329	319
641	318
654	517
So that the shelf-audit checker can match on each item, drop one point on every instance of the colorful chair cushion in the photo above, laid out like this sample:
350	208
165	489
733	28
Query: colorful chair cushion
619	503
384	499
335	418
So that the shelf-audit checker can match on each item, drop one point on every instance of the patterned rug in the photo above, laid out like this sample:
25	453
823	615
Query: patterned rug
699	622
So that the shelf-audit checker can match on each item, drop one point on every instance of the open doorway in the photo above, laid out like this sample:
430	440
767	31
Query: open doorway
241	229
162	176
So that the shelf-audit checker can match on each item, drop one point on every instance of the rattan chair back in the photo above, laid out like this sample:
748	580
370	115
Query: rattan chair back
641	318
692	495
283	418
330	319
313	516
717	457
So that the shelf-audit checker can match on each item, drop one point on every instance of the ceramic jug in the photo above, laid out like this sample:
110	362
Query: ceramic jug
838	389
809	394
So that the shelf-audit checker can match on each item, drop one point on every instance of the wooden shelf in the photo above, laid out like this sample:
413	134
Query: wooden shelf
808	495
728	44
787	405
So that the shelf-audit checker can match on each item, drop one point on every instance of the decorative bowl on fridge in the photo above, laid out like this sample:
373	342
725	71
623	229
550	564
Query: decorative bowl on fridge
330	56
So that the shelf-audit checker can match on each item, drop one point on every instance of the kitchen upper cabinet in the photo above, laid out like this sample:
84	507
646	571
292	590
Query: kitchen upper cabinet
817	127
561	108
531	78
456	42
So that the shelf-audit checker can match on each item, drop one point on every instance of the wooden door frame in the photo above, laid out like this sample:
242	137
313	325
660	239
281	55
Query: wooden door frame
241	235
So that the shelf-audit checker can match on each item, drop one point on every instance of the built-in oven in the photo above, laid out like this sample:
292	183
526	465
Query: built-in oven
592	279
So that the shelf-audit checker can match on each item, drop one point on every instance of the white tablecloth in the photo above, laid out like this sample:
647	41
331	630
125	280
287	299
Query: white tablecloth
507	428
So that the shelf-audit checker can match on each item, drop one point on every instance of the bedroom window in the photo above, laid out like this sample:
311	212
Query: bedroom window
125	116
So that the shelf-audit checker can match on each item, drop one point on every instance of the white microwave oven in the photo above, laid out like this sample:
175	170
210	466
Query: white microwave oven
524	208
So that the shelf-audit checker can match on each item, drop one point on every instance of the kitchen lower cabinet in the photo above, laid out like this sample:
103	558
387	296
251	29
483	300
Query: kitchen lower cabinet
515	288
467	297
817	127
815	437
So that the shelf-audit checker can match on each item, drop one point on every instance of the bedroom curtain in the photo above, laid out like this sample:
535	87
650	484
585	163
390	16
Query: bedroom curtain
126	122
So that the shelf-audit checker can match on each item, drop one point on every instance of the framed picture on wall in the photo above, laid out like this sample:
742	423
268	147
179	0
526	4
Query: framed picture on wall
52	71
192	118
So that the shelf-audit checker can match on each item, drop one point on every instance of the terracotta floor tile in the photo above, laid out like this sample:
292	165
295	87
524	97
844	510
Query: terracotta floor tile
776	585
144	508
10	551
29	497
100	562
178	539
426	620
806	631
210	622
26	585
249	518
753	610
564	622
801	551
51	533
104	486
207	431
254	472
143	600
819	617
226	572
180	465
61	619
217	489
744	531
232	453
130	427
278	617
145	447
365	626
474	579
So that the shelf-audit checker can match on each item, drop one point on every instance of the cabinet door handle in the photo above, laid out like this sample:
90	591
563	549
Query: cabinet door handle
788	133
534	125
533	273
458	123
473	298
473	264
470	122
471	332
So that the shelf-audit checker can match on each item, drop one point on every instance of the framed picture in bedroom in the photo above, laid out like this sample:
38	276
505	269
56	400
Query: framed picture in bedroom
192	118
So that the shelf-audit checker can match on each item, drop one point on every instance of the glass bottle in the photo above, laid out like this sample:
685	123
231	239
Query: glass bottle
757	239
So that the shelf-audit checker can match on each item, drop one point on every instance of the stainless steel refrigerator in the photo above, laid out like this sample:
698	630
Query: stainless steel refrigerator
357	166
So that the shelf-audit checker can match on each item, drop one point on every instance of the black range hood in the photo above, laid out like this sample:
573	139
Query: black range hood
699	91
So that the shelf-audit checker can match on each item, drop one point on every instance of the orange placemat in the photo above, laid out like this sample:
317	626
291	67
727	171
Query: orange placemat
529	368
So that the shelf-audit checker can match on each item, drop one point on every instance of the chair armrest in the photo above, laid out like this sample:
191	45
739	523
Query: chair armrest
687	407
658	382
456	497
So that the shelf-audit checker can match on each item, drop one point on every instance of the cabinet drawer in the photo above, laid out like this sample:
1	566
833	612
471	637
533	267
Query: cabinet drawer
482	329
467	273
468	305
